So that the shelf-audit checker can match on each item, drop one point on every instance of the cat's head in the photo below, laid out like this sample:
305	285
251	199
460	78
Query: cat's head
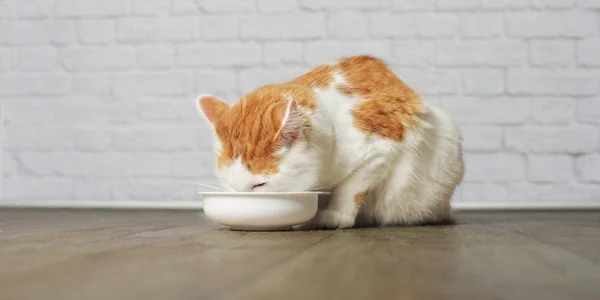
262	142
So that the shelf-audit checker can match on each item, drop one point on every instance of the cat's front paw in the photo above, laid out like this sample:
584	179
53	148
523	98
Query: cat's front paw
330	219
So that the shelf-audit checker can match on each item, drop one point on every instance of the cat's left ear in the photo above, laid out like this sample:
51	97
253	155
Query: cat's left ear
211	107
291	125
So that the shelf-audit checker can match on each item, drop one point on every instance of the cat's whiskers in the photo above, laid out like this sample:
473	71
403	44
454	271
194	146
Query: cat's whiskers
205	185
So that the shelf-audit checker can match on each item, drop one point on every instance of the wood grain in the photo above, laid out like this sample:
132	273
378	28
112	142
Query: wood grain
55	254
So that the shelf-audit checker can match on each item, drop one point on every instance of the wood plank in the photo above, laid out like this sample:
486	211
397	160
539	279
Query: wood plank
130	262
181	255
466	262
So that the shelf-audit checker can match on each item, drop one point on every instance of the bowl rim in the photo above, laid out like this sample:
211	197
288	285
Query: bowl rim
261	193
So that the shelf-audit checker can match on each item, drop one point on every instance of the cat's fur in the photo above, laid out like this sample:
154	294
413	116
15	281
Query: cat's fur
351	127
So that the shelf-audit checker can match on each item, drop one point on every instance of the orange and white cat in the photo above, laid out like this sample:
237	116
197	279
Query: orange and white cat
351	127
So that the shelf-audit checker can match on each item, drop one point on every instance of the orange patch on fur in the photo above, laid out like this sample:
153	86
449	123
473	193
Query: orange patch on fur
250	129
359	199
389	103
318	77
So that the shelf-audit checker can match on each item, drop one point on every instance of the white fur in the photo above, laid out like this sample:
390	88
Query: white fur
408	182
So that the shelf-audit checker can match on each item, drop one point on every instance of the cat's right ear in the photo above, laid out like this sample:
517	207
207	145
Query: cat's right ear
211	107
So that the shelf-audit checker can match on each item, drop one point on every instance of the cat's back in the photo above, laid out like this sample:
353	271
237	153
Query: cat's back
376	101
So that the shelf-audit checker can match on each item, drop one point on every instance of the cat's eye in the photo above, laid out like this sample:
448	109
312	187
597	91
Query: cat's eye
258	185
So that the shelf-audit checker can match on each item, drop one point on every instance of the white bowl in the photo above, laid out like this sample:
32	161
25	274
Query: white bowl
261	211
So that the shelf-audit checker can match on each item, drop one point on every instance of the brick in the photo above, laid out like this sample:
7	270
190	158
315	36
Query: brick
92	139
204	136
185	7
39	138
251	79
552	139
553	110
277	6
153	83
276	53
481	25
409	5
553	4
93	189
552	53
9	165
180	110
155	57
273	27
504	4
588	110
569	192
553	192
157	29
522	191
337	5
587	52
221	83
73	164
90	8
550	168
588	167
8	59
148	165
28	111
33	84
347	26
226	6
492	167
188	114
458	4
87	59
37	58
481	138
6	10
147	189
90	84
432	81
552	82
481	53
500	110
192	165
33	8
219	54
219	27
573	24
327	51
96	31
156	139
38	32
22	188
589	4
169	110
482	192
149	7
427	25
413	53
94	111
483	81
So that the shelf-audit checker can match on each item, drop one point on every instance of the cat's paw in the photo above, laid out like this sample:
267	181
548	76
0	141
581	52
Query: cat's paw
330	219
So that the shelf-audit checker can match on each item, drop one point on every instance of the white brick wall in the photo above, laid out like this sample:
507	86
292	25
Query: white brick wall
96	96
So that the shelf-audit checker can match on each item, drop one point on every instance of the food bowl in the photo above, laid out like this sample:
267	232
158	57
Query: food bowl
260	211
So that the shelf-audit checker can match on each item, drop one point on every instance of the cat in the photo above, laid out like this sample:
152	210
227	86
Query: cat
351	127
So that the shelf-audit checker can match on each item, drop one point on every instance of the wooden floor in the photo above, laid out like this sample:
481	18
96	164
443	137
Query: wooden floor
180	255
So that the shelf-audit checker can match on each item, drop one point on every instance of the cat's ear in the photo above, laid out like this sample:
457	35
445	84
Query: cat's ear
291	125
211	107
